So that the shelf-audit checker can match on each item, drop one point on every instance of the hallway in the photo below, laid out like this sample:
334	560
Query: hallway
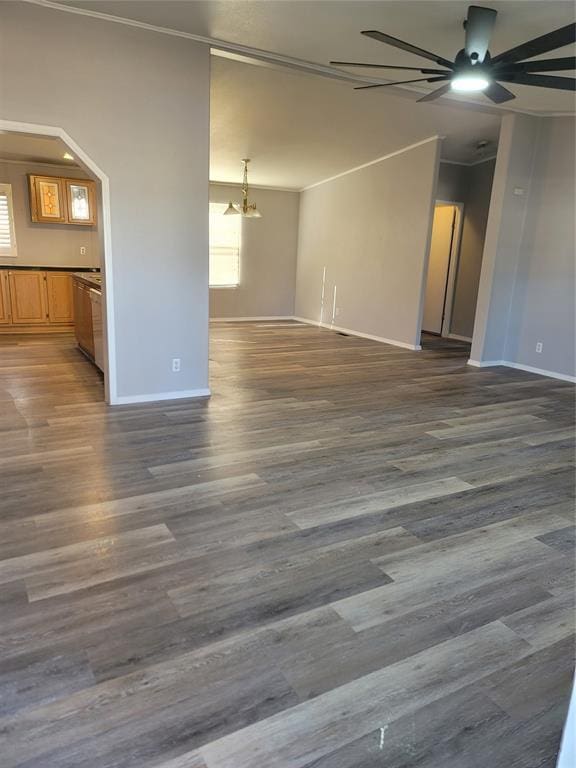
352	555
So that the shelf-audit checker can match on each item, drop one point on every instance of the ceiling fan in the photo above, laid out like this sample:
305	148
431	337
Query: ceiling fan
474	69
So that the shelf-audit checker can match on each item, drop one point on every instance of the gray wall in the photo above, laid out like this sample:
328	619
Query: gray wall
54	245
268	256
370	231
476	198
518	137
137	103
542	308
527	281
451	182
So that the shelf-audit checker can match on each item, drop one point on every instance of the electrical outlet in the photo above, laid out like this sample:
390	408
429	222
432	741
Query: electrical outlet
539	347
176	365
82	250
337	311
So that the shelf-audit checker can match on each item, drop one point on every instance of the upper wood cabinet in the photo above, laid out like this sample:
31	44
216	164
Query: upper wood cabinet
28	301
59	295
58	200
4	299
47	199
80	201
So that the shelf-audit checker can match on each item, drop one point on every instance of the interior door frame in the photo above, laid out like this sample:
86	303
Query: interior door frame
453	262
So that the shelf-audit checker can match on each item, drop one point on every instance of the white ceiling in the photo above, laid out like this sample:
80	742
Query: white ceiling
322	30
299	129
33	149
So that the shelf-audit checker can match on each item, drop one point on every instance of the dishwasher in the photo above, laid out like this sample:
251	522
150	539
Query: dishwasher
96	303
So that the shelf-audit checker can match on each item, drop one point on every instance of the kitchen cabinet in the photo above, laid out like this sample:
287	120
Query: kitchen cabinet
47	199
80	202
5	317
83	318
28	299
57	200
59	296
35	300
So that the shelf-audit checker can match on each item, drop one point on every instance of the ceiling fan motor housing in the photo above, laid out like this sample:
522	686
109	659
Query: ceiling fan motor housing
463	61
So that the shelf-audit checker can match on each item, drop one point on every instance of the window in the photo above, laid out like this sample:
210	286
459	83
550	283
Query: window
7	235
225	237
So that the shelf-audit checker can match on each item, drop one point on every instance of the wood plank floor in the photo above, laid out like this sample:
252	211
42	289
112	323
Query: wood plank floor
351	556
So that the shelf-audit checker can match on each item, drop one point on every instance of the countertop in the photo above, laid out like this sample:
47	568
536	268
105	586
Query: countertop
93	279
43	268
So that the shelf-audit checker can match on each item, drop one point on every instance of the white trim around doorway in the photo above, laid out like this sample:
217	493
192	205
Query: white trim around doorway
110	380
453	268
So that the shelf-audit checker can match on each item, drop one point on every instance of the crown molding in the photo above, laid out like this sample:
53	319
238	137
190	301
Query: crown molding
265	187
44	163
468	165
373	162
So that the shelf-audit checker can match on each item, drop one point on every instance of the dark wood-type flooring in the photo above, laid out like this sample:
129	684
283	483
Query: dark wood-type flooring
351	556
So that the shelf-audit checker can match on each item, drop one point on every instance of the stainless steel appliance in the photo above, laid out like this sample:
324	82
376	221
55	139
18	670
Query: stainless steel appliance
96	302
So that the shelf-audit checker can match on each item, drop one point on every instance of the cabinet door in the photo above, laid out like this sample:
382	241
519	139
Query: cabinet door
28	297
47	199
60	302
80	201
4	298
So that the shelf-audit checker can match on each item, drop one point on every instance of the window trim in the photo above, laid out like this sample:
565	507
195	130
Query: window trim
12	252
230	286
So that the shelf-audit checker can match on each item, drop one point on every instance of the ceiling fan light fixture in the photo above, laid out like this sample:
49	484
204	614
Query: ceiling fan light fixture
474	69
469	82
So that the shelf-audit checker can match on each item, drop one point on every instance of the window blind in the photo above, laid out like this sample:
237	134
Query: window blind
7	236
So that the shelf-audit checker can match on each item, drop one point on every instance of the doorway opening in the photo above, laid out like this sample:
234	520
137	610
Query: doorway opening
455	254
442	266
52	246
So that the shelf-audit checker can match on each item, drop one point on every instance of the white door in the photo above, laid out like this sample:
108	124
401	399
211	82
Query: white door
438	265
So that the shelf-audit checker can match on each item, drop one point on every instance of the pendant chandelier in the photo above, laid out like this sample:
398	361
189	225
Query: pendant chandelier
246	209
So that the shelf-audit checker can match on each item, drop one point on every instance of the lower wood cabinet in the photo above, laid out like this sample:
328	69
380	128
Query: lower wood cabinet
35	300
5	317
28	300
59	294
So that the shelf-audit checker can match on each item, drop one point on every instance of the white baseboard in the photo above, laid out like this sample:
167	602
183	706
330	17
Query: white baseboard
542	372
157	396
250	319
520	367
457	337
349	331
485	363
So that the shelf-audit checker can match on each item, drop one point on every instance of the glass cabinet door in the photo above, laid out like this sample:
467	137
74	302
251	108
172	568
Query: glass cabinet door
81	201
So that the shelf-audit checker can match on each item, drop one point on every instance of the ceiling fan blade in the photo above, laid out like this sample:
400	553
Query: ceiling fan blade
389	66
436	94
556	39
498	94
544	65
401	82
479	26
543	81
389	40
